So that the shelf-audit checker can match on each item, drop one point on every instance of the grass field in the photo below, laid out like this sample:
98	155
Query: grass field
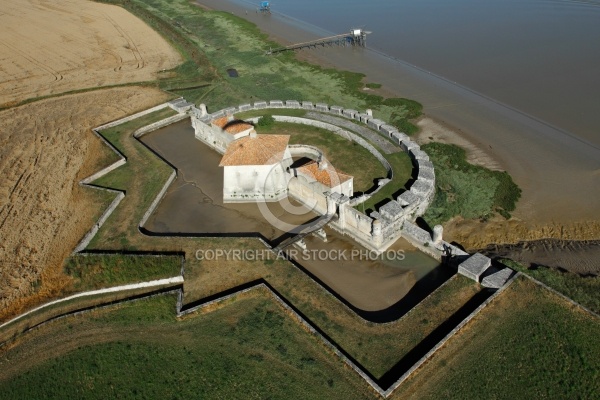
528	344
212	42
93	271
585	290
103	355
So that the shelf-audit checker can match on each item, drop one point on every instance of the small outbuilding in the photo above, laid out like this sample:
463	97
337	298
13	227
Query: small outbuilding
474	266
325	178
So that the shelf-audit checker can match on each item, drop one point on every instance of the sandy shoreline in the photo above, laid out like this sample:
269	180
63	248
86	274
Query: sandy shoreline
559	173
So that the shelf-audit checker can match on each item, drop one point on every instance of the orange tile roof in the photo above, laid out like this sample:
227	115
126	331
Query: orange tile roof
324	176
221	122
260	150
237	127
233	126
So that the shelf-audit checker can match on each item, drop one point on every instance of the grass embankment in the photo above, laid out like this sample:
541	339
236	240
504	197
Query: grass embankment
146	176
92	272
103	355
466	189
528	344
402	166
378	347
585	290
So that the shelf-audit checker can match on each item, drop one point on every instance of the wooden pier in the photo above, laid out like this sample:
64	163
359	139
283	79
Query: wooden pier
356	37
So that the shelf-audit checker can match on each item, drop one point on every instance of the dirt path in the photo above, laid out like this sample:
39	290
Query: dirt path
50	47
46	148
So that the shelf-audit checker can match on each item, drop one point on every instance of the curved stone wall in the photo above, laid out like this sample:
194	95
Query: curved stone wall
381	228
420	194
304	150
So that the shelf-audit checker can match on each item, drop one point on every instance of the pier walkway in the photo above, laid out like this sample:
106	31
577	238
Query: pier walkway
356	37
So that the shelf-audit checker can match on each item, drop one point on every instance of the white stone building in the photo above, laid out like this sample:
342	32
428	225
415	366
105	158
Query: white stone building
220	132
255	168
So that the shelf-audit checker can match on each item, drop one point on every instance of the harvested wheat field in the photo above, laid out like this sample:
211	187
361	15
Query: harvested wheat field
50	47
46	148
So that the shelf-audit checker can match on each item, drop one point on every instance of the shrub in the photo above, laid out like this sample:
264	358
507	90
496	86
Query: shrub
266	121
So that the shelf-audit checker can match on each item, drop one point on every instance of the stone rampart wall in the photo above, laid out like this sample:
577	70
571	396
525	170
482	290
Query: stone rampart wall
341	132
157	199
425	183
414	203
159	124
307	194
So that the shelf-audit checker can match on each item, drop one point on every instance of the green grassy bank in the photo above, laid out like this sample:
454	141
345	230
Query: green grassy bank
105	355
527	344
466	189
585	290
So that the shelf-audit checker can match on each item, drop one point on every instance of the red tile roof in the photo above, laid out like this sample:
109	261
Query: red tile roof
233	126
328	176
220	122
258	150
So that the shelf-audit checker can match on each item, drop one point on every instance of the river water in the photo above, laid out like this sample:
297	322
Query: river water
541	57
516	78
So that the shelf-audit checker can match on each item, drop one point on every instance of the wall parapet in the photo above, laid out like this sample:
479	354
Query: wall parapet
159	124
340	132
414	202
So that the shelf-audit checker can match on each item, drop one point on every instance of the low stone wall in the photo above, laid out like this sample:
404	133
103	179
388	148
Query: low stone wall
461	325
123	288
414	202
422	240
92	232
132	117
157	199
103	172
159	124
114	165
122	160
562	296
